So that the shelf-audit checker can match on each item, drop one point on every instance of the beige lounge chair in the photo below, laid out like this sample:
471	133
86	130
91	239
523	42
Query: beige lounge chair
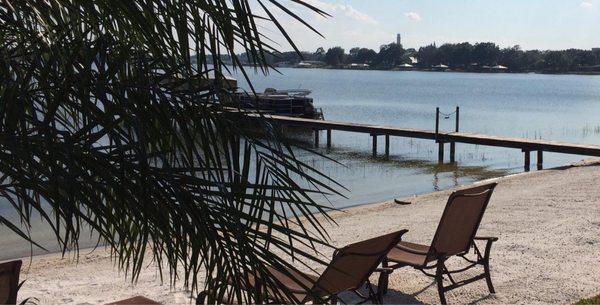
9	281
455	236
349	270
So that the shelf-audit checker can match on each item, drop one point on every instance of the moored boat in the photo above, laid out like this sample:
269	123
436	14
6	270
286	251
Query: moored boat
294	103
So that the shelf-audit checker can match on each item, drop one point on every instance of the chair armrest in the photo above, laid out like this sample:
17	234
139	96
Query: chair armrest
386	270
490	239
413	251
488	245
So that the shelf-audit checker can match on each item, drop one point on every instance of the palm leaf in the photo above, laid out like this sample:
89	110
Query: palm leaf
96	131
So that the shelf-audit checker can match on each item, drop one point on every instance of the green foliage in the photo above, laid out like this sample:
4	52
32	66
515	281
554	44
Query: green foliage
362	55
389	56
465	56
485	53
591	301
428	56
99	128
557	61
335	56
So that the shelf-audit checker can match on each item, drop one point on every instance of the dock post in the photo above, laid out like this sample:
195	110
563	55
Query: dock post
374	145
453	144
387	145
328	138
527	160
437	137
437	122
457	119
540	160
316	138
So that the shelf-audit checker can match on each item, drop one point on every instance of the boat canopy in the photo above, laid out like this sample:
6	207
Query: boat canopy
201	82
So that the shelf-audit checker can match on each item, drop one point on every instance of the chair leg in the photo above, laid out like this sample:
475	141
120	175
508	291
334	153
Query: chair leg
383	282
374	296
439	277
486	267
488	278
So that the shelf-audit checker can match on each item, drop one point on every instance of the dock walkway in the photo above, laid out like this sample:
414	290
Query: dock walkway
525	145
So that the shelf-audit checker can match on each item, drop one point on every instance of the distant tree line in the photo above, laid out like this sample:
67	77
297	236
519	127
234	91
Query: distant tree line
458	56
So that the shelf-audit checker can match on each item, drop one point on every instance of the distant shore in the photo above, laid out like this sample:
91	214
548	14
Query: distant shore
541	218
446	71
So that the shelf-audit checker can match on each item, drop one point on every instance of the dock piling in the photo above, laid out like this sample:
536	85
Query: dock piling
374	145
453	144
530	145
437	122
328	138
527	160
387	145
540	160
440	152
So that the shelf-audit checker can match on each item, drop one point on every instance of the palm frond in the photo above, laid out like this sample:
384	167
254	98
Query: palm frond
93	132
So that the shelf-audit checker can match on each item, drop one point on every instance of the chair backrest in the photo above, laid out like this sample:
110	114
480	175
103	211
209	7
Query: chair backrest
9	282
352	265
460	220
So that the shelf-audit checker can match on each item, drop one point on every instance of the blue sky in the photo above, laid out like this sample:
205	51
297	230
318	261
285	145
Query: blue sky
532	24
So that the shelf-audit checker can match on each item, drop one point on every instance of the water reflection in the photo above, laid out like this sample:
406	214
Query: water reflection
373	179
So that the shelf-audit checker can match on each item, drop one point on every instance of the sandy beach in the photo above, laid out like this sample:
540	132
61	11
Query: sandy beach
548	223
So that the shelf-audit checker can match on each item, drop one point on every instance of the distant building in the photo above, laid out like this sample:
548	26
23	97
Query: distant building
440	67
284	64
310	64
358	66
399	39
499	68
405	67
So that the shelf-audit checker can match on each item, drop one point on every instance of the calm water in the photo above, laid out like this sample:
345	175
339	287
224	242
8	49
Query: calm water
554	107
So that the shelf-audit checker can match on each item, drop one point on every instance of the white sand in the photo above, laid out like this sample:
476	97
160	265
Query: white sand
548	223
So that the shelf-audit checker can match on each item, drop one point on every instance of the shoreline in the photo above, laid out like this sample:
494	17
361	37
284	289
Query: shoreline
523	254
343	210
582	73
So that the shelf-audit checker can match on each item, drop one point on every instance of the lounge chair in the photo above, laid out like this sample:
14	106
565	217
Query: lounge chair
9	281
455	236
349	270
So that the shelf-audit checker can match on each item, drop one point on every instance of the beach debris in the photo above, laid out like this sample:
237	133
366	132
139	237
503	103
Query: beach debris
402	202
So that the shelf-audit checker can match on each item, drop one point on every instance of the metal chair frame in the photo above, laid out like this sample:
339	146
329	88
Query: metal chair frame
439	259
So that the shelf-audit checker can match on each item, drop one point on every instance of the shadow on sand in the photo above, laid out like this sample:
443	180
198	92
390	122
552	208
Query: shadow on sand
394	296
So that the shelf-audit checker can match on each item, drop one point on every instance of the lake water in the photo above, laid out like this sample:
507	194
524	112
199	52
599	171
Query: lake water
553	107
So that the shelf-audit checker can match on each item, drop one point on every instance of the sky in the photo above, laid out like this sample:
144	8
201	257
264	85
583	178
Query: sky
532	24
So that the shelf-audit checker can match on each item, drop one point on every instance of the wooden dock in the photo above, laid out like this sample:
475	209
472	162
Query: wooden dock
525	145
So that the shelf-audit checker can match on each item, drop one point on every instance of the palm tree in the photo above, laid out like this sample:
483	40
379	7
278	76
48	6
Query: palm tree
97	130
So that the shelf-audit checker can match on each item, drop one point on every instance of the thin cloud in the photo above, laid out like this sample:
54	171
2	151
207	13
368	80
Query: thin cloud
345	9
356	14
413	16
321	5
586	4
